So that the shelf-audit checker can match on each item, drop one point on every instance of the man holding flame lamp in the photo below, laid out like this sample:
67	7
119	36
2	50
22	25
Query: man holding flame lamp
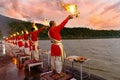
57	51
34	39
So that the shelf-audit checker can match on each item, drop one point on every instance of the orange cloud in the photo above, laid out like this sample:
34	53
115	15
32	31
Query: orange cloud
97	14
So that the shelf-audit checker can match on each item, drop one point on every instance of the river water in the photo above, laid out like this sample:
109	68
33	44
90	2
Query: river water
103	55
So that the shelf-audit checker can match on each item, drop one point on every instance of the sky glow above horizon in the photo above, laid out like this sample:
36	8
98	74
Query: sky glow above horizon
95	14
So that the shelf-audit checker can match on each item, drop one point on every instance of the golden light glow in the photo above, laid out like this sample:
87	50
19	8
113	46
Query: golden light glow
26	31
14	34
46	22
34	26
15	61
71	8
22	32
17	33
95	19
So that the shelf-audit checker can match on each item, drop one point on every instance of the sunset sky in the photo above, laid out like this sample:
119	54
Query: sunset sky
94	14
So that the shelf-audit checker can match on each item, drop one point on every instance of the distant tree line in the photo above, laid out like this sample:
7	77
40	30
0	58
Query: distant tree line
67	33
19	26
84	33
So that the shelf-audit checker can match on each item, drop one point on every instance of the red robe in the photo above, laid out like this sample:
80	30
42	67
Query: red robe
54	33
20	42
25	37
34	34
30	45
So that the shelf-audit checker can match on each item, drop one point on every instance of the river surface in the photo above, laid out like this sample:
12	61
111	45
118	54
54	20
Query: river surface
103	55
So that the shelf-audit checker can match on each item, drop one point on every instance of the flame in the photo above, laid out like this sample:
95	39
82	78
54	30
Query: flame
22	32
71	8
46	22
15	61
14	34
26	31
17	33
34	26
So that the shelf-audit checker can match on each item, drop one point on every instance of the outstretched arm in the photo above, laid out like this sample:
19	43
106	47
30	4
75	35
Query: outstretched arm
61	26
40	30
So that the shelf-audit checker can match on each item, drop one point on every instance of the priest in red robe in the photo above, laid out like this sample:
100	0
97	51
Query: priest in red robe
57	51
34	38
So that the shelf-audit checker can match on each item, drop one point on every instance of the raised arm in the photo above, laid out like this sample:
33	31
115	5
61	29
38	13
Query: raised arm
40	29
62	24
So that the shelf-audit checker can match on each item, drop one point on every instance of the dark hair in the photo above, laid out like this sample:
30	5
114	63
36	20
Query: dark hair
51	23
32	29
24	32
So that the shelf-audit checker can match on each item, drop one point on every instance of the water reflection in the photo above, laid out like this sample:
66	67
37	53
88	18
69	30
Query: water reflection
33	75
15	61
3	46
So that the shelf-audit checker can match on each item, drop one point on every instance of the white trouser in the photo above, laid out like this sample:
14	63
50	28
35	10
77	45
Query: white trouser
35	55
35	52
27	51
22	48
56	63
35	43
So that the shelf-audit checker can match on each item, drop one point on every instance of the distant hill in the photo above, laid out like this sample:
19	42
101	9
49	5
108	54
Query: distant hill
86	33
4	27
67	33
